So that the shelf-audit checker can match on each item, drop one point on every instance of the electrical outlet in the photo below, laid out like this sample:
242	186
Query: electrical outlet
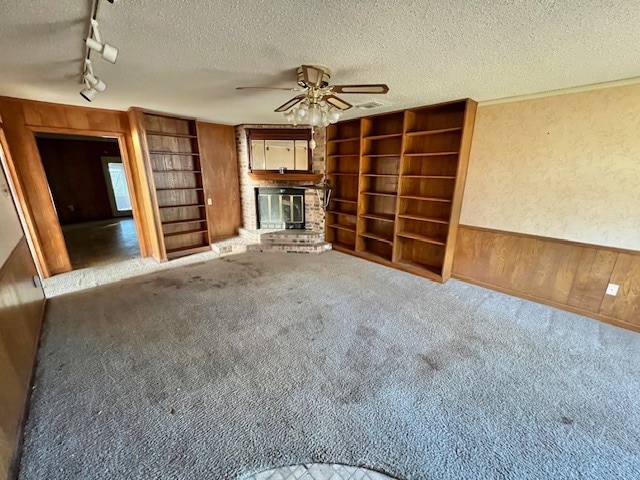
612	289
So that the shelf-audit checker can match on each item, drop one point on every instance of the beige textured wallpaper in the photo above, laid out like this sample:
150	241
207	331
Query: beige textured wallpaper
564	166
10	229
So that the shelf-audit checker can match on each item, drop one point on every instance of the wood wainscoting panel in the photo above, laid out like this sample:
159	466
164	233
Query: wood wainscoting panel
220	178
21	309
591	278
626	305
568	275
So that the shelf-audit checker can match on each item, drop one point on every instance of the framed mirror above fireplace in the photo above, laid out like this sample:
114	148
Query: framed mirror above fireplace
279	150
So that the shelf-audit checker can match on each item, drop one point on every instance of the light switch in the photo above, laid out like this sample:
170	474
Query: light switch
209	201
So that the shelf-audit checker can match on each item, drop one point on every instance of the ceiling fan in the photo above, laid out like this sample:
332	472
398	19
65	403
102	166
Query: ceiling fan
317	105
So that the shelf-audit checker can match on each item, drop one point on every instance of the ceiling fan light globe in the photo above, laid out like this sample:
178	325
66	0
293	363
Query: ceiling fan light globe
289	116
334	115
315	116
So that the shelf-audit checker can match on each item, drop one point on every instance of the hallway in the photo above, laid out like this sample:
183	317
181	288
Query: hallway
101	242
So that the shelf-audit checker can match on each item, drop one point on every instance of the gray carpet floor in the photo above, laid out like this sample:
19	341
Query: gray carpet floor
233	366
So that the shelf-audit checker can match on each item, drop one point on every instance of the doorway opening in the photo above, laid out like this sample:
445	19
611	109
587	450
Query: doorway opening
89	190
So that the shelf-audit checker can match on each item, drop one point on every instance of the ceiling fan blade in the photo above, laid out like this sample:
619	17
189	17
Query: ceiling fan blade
291	103
371	88
288	89
337	102
312	75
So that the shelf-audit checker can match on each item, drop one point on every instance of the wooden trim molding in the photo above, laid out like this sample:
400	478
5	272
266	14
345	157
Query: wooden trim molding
279	134
567	275
22	119
286	177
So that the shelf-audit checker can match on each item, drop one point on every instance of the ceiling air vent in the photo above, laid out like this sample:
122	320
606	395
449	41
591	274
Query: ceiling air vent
370	105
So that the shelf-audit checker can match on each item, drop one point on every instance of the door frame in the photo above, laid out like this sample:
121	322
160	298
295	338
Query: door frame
19	201
126	162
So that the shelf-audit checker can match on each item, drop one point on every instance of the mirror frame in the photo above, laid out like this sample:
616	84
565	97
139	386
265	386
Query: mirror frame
278	134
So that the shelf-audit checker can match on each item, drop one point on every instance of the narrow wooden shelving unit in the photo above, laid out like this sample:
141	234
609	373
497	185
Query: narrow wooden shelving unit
171	149
381	151
343	158
405	204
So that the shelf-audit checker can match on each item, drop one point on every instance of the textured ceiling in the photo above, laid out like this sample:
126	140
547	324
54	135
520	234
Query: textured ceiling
187	57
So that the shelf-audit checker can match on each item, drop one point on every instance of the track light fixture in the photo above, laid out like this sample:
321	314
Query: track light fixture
93	85
88	93
94	42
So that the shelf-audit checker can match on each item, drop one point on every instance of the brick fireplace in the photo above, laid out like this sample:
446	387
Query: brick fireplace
313	212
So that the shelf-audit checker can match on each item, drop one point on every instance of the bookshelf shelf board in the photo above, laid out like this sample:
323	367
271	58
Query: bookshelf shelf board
381	137
198	205
383	217
342	140
380	194
182	222
421	238
337	212
430	154
185	232
431	177
377	236
342	227
433	132
423	218
426	199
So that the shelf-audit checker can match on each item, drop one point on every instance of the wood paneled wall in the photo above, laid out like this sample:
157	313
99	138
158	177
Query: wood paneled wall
76	177
567	275
24	117
21	309
220	177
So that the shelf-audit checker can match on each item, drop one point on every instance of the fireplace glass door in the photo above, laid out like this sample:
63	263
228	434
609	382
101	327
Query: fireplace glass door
280	208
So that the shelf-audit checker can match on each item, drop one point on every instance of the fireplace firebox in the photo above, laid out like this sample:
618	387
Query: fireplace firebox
280	207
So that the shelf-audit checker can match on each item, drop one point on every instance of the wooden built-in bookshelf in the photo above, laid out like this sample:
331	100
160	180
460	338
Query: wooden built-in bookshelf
171	150
343	173
403	206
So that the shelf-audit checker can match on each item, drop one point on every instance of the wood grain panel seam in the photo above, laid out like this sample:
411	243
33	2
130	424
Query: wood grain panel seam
604	297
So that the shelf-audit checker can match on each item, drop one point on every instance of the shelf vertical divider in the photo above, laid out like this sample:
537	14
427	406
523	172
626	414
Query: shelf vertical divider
361	205
461	176
396	226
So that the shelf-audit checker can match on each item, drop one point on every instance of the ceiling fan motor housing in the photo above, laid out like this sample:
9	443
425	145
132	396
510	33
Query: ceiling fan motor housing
319	69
